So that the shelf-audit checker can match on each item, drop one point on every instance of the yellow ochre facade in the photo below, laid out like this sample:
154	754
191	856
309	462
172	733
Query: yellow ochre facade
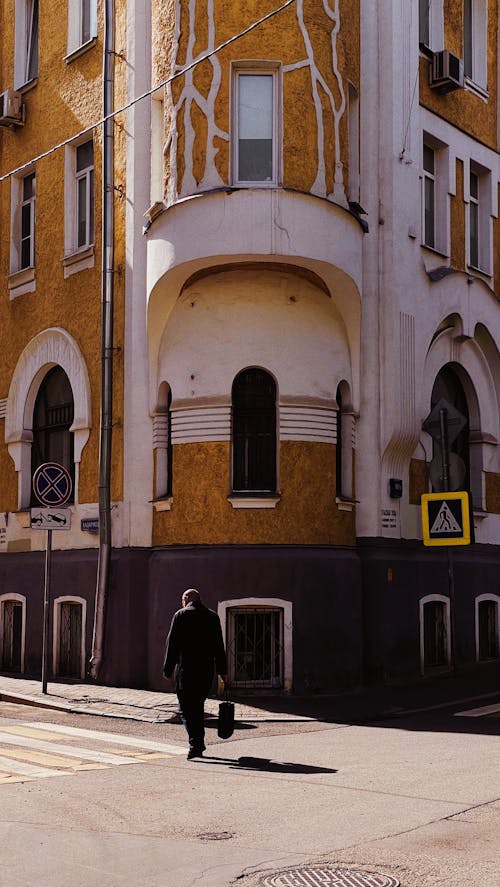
247	249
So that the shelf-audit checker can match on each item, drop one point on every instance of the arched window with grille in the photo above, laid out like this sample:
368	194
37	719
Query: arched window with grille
449	387
254	432
52	420
487	627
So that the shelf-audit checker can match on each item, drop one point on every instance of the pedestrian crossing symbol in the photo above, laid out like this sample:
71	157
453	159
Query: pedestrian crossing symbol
446	519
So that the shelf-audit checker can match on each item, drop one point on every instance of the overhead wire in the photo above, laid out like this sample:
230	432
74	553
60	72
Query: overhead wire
144	95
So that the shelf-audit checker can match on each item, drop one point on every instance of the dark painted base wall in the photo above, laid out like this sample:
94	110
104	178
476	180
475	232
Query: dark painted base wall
355	611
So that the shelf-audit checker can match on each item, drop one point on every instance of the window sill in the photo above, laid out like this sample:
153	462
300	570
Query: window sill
434	251
21	282
254	501
27	86
345	504
473	270
480	91
80	50
79	261
162	504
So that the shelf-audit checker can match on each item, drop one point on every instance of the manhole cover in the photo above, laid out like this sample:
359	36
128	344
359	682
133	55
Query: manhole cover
215	836
325	877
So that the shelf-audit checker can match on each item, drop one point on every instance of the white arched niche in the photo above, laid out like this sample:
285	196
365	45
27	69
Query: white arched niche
52	347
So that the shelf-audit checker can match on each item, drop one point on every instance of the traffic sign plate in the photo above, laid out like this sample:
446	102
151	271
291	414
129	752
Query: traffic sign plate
446	519
50	519
52	484
455	421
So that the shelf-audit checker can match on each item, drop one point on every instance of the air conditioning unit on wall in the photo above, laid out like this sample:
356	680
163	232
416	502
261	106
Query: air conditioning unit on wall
11	108
446	71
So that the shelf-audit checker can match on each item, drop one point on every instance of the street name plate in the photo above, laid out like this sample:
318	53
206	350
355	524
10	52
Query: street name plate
326	877
50	519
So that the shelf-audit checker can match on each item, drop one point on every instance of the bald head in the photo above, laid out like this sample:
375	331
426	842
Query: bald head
190	596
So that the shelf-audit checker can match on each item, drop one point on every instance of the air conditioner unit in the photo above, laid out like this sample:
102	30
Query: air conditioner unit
11	108
446	71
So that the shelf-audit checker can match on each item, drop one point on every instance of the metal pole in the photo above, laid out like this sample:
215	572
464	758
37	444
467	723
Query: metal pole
445	461
46	599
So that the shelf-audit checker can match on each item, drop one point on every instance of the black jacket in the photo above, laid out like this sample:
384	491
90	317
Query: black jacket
194	647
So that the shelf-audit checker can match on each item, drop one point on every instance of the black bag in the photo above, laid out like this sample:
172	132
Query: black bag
225	726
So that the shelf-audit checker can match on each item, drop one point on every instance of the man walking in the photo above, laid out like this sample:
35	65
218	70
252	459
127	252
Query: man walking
194	648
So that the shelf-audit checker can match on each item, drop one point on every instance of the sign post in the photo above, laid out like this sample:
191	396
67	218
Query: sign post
52	487
448	525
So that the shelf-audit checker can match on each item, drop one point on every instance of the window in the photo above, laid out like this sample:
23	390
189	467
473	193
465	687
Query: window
85	194
424	22
487	627
82	24
435	194
475	48
479	219
26	43
255	127
435	638
429	197
255	646
12	630
449	388
354	158
28	222
254	432
69	637
474	220
52	419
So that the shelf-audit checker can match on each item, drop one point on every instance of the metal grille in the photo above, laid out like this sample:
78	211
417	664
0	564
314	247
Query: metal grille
12	636
255	647
435	653
70	640
326	877
488	630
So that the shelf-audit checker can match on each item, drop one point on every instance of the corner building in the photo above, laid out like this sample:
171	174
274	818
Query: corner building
305	256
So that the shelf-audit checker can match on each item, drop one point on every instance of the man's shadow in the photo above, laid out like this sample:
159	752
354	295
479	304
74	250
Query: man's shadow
266	765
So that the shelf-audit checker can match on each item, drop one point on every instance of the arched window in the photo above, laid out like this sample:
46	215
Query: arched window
12	632
449	387
254	432
70	615
435	633
487	627
52	419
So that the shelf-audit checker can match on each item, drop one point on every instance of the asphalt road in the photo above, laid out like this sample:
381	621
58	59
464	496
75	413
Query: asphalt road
416	797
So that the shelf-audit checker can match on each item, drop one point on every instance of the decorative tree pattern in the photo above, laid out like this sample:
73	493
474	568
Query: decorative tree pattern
187	103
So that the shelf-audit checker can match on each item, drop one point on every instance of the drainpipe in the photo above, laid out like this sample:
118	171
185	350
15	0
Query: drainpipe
103	566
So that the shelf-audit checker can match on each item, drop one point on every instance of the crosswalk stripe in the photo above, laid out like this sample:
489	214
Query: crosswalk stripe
23	769
118	738
72	752
479	712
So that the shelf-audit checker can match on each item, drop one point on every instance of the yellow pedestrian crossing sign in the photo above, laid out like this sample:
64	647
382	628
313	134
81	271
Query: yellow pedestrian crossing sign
446	519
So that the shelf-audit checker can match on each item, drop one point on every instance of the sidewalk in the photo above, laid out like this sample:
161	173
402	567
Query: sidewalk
355	707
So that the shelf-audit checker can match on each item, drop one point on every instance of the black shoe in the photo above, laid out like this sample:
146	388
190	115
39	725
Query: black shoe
195	753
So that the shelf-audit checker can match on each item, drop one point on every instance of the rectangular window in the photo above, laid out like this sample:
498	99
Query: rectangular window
255	647
468	38
27	251
429	197
480	222
424	22
82	23
26	42
475	41
85	195
474	220
255	125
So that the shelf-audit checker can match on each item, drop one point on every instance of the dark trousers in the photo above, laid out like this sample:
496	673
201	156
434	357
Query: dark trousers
191	710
